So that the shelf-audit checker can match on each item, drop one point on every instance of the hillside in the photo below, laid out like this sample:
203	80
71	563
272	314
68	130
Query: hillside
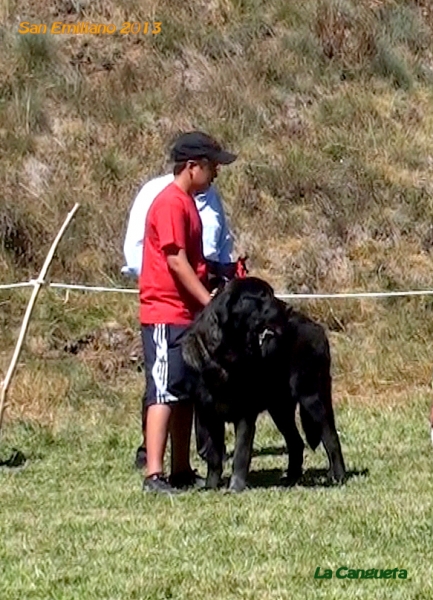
330	107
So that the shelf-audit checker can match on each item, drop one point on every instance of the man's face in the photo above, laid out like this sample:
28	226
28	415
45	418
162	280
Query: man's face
203	172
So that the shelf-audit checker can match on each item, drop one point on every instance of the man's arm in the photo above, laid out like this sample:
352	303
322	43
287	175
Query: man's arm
178	264
217	239
225	244
225	240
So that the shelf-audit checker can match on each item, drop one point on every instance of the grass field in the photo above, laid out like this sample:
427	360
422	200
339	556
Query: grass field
329	104
75	523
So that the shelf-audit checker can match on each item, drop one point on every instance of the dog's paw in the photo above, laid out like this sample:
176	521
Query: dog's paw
290	479
213	481
237	485
337	478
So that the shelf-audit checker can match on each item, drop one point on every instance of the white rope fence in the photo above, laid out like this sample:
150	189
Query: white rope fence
42	282
98	288
11	286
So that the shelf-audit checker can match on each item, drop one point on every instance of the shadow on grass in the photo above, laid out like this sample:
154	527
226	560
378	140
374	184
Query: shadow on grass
265	451
15	460
310	478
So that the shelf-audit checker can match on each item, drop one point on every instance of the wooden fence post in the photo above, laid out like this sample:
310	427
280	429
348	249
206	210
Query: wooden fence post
40	281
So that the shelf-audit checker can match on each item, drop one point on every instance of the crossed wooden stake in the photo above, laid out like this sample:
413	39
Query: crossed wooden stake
37	284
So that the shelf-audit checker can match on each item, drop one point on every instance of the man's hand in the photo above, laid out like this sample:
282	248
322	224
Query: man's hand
241	267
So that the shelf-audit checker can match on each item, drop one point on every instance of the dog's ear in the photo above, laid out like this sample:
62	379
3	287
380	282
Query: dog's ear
220	308
191	351
203	338
210	333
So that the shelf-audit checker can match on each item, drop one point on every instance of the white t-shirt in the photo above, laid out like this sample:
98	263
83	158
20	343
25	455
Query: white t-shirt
217	239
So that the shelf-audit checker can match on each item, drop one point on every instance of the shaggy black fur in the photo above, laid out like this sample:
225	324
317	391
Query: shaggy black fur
248	352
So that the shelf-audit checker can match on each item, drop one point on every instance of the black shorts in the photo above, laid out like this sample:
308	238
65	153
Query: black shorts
166	372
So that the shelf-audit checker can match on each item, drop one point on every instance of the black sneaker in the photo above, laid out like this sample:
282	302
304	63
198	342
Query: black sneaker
158	483
187	479
140	458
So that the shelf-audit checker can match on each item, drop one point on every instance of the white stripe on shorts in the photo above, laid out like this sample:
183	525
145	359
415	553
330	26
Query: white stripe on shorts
160	367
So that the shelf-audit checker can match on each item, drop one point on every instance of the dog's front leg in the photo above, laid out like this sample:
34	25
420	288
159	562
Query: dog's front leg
209	429
245	430
215	456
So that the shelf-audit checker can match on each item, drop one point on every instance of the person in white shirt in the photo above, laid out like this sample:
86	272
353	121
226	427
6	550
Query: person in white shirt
217	250
217	238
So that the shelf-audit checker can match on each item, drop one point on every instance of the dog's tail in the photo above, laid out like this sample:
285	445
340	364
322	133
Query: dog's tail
312	413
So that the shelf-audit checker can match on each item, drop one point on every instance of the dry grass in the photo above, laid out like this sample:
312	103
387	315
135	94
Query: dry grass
329	105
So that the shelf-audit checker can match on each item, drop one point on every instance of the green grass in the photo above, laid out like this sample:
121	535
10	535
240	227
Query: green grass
75	523
329	105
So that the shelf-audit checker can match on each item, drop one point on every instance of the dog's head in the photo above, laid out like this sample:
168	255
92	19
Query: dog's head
243	320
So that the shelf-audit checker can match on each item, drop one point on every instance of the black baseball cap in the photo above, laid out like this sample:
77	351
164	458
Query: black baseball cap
194	145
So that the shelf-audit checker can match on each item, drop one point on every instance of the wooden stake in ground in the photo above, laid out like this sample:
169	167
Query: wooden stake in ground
40	281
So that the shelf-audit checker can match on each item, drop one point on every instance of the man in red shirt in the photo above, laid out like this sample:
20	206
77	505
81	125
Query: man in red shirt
173	289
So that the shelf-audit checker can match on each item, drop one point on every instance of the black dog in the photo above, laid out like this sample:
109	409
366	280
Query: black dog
248	352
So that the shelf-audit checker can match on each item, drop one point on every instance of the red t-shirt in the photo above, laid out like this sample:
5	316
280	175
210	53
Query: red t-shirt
172	219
